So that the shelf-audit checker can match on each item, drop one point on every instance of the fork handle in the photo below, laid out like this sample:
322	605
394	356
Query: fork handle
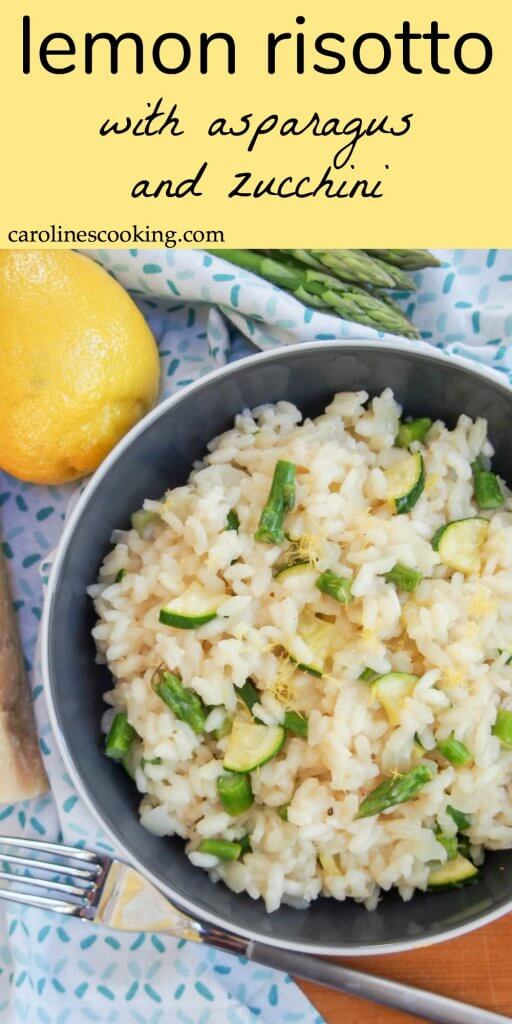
417	1001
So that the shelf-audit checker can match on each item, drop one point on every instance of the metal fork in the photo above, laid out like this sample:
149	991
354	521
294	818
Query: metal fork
101	890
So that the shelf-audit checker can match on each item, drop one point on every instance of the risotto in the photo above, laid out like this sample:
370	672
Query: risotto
310	646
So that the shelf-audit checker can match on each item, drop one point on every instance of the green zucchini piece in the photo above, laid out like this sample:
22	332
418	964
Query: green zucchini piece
251	745
335	586
464	846
454	874
220	848
395	790
391	690
283	811
462	820
296	723
329	864
120	575
403	577
282	571
316	635
503	728
414	430
193	609
248	693
454	751
488	492
459	543
405	482
235	793
120	736
449	842
142	518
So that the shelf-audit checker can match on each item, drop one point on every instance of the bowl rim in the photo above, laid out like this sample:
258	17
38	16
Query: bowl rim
421	348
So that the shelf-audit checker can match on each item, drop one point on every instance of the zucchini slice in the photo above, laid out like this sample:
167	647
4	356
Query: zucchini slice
309	649
452	875
391	690
194	608
328	864
251	745
405	482
281	572
142	518
459	543
413	430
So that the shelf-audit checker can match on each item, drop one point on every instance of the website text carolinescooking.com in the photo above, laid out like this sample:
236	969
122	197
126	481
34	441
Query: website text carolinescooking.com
168	237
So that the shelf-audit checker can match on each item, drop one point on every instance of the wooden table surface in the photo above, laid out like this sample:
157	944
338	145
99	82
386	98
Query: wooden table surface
475	969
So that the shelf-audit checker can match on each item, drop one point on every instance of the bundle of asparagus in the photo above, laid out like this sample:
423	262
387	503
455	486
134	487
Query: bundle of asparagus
353	283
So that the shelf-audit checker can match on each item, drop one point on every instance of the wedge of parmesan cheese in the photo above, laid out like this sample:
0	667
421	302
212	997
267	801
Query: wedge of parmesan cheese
22	775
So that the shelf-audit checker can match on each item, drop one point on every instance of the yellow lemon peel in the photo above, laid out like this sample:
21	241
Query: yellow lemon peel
79	364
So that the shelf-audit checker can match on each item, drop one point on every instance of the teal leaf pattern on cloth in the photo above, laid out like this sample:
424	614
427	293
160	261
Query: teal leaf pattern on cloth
203	313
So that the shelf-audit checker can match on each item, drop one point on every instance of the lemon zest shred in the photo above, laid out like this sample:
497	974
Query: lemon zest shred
307	547
282	687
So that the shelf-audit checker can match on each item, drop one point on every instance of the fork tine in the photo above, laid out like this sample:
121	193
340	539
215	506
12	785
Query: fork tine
43	865
57	848
41	902
43	883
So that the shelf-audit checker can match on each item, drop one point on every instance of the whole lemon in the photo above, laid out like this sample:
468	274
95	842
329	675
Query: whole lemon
78	364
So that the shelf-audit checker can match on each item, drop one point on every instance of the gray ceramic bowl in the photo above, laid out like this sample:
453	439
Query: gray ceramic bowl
158	454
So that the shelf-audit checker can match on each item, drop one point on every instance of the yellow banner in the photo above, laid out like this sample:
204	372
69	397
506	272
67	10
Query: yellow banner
268	124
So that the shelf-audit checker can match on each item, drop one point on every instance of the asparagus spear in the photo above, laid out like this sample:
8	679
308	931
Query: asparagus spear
356	266
406	259
335	586
235	793
395	790
187	706
403	577
324	291
352	265
220	848
120	737
402	281
280	500
371	310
